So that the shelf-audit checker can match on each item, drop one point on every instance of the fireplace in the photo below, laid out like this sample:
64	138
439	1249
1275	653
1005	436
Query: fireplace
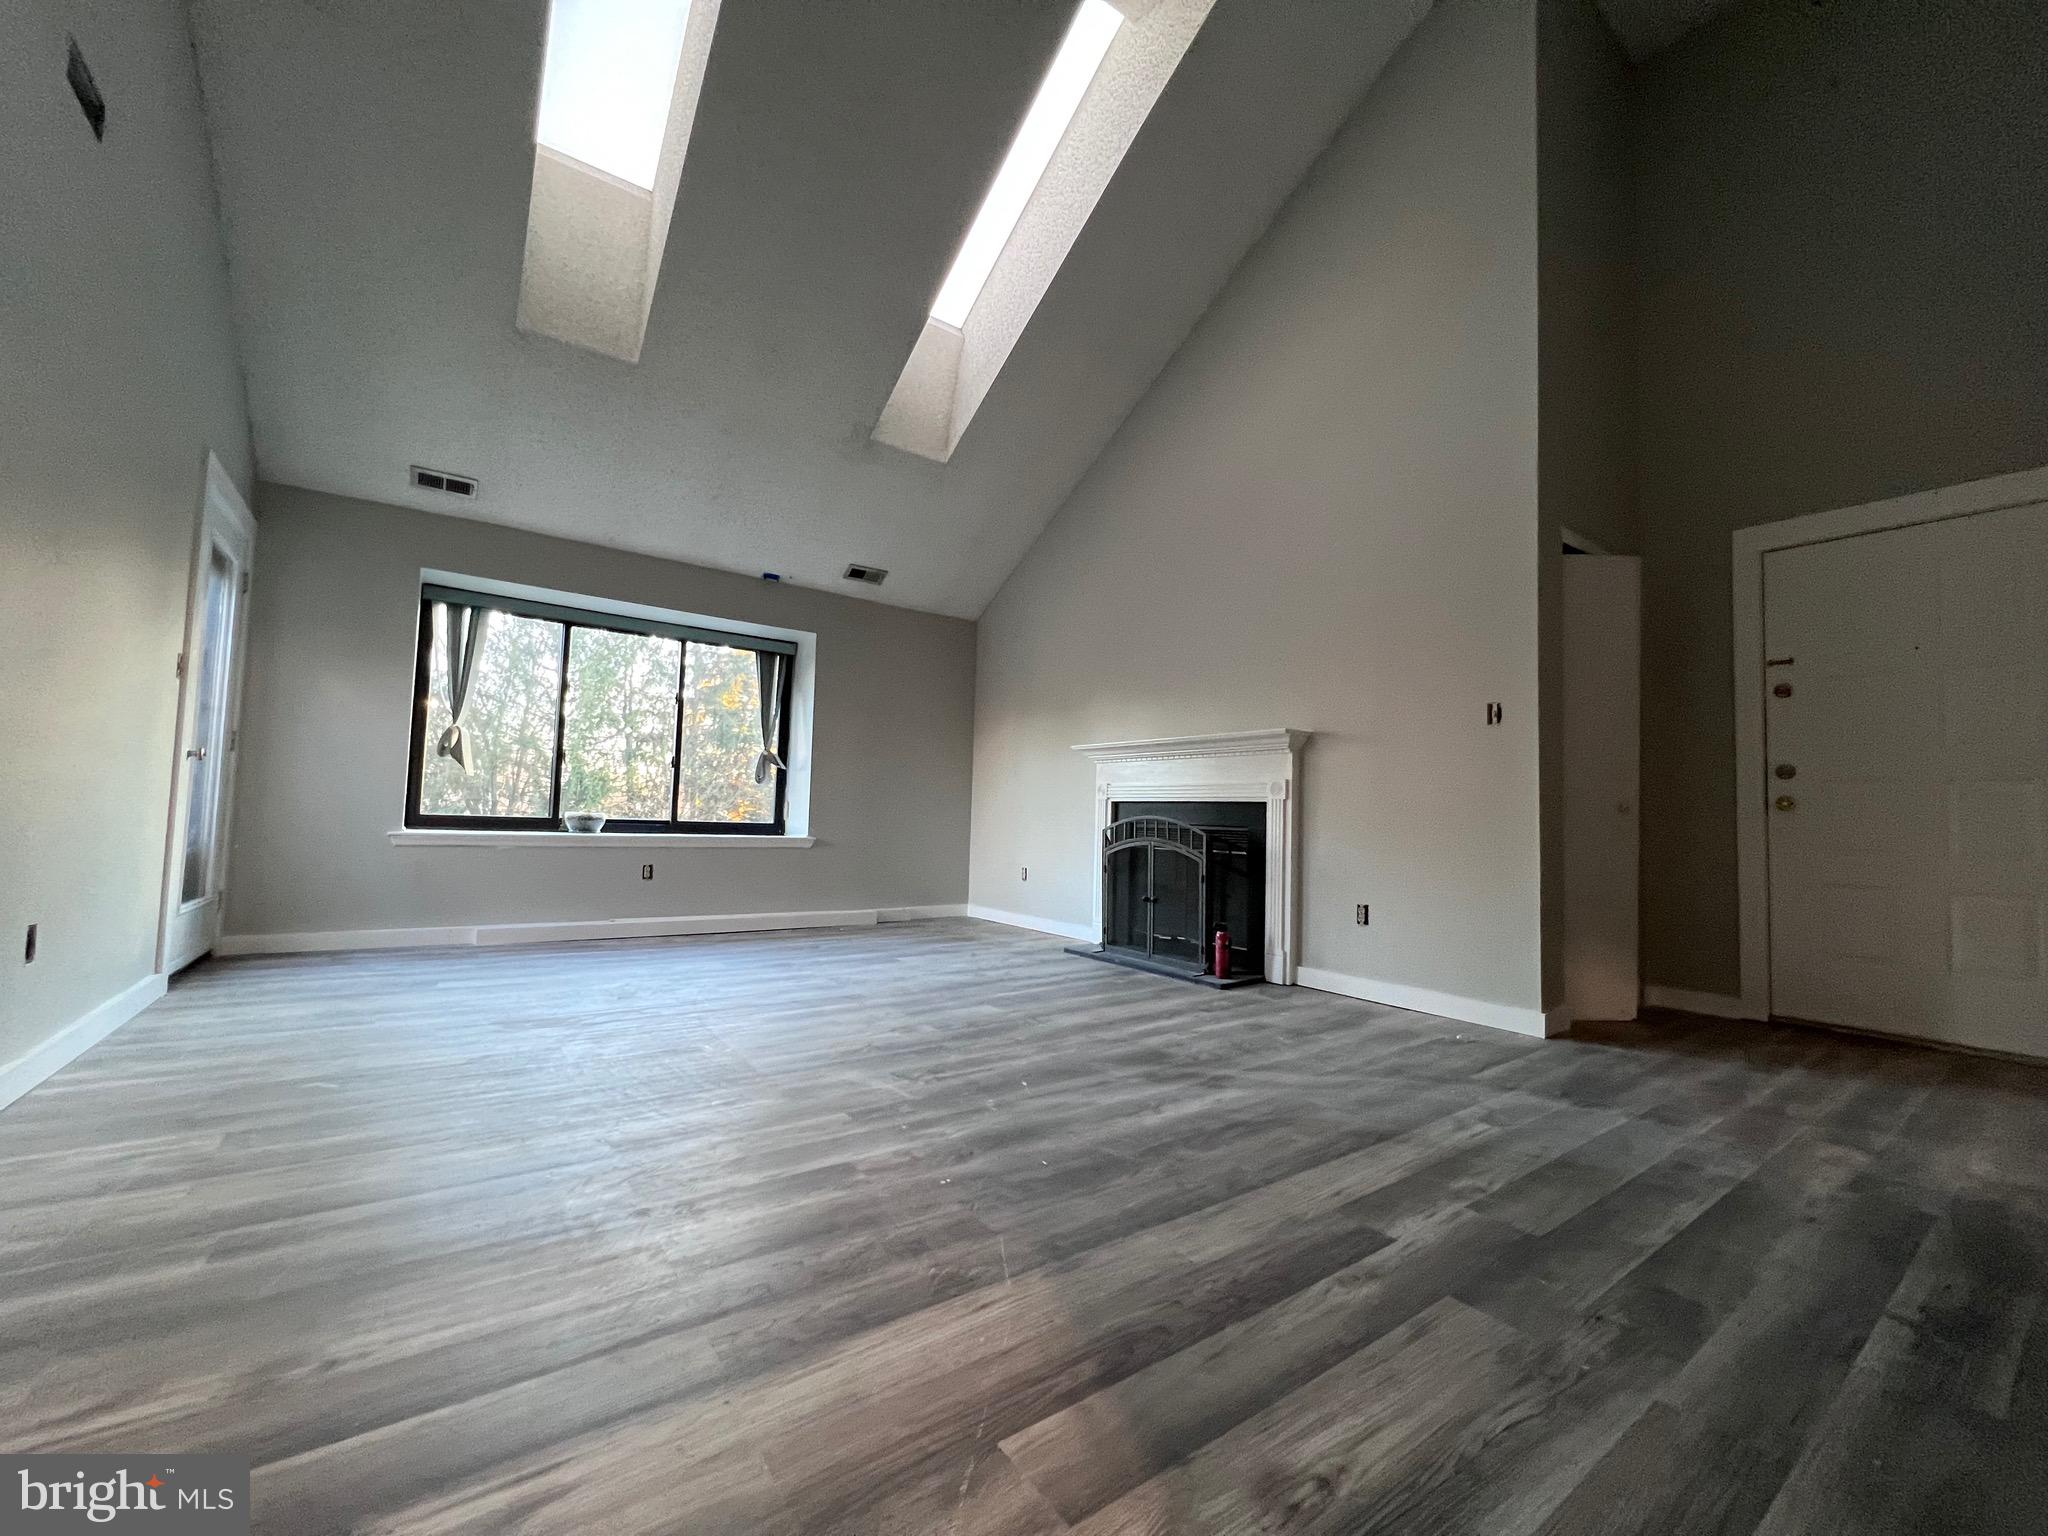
1176	873
1237	790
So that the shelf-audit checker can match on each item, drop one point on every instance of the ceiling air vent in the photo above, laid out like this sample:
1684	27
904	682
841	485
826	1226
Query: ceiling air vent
873	575
441	480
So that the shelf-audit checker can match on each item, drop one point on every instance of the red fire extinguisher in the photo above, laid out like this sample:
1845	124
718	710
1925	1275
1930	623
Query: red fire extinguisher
1221	961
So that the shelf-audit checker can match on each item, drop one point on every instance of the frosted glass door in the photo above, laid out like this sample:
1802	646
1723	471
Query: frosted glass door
195	871
206	757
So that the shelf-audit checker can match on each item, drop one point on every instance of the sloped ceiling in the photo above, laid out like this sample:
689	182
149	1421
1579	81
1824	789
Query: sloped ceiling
374	156
1649	26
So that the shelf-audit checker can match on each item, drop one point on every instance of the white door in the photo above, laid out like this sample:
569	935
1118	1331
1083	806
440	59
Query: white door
1602	728
1906	730
209	706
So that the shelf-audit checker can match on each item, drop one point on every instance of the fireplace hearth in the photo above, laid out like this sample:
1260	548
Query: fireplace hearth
1175	875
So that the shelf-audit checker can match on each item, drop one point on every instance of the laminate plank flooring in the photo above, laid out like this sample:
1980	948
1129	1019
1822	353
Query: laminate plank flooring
934	1228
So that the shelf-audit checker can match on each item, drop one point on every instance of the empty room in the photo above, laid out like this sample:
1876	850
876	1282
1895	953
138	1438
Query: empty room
1006	767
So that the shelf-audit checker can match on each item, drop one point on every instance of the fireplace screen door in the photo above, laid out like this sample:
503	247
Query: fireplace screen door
1155	884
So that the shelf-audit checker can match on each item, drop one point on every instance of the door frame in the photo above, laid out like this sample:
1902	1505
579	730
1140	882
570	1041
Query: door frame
220	503
1750	545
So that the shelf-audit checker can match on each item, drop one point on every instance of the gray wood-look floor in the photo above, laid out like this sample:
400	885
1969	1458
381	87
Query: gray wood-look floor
935	1228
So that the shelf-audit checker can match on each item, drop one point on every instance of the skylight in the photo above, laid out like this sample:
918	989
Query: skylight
1073	71
1110	69
618	101
608	81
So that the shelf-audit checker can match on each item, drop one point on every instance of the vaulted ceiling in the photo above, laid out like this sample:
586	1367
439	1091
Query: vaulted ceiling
374	159
374	162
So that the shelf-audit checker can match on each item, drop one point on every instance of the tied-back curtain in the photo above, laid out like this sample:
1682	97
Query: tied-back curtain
768	667
465	628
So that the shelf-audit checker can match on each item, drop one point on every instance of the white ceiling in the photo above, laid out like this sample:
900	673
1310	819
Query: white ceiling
374	159
1648	26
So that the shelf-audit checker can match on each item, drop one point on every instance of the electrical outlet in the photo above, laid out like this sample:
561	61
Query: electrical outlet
28	950
646	871
1364	915
1024	872
1493	714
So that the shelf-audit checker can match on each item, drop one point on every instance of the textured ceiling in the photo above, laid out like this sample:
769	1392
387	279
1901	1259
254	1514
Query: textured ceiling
374	159
1646	26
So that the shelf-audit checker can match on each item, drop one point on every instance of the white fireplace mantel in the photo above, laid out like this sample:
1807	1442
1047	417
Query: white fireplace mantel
1259	766
1224	744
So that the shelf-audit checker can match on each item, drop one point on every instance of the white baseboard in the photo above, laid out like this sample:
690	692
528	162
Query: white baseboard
665	927
76	1038
1052	925
1447	1005
1715	1005
919	914
340	938
539	933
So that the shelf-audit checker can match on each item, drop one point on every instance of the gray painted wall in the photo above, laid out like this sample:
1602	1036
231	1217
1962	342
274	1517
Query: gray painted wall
1842	220
1324	515
119	374
1585	345
327	722
1586	293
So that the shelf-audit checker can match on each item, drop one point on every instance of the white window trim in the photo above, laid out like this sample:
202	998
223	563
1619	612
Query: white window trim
796	797
455	837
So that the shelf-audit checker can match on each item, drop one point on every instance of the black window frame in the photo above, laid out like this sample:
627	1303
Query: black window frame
572	619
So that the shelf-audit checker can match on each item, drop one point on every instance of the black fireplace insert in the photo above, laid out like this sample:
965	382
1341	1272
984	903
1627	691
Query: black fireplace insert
1174	875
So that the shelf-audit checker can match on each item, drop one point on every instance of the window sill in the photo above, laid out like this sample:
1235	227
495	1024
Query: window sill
440	837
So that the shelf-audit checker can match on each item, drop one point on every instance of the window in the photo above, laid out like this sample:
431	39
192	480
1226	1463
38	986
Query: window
619	86
1099	87
1052	112
526	711
607	80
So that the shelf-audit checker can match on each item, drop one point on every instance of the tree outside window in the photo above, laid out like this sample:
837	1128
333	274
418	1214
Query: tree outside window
654	730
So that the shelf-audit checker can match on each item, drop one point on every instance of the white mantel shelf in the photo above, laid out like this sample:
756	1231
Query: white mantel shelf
1222	744
1259	766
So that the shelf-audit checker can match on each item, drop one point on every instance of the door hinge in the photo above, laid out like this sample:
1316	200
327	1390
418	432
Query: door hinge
245	583
234	739
181	666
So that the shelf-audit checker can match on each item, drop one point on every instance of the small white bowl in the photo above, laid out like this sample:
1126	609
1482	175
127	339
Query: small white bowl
584	821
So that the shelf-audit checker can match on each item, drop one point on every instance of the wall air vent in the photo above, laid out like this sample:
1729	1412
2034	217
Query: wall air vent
441	480
873	575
